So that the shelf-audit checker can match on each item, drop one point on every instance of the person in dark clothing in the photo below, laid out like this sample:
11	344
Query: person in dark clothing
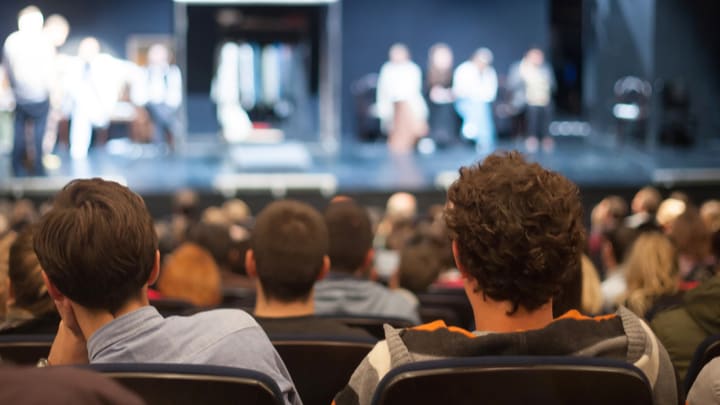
288	253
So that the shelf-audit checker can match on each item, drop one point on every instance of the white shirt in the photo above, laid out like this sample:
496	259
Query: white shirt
400	82
29	58
164	85
469	82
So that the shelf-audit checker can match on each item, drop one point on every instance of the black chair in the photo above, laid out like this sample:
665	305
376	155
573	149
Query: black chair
186	384
707	350
235	297
372	324
429	314
515	380
172	306
24	349
454	300
320	366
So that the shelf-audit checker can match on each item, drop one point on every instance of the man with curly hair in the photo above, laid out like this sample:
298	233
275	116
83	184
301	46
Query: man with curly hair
517	236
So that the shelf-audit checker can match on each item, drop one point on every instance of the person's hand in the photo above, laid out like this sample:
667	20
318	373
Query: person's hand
69	346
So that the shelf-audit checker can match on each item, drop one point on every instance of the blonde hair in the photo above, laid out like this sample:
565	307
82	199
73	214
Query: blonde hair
191	274
651	270
592	299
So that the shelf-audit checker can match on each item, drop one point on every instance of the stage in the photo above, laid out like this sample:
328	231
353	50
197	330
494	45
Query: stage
212	167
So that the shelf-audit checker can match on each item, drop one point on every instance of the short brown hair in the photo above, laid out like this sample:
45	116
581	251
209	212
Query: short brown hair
25	276
289	242
191	274
97	244
518	229
351	235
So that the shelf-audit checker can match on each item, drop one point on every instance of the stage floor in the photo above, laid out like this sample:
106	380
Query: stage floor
209	166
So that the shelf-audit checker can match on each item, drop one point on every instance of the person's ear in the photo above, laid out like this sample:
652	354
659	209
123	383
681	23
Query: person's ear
250	265
53	292
155	273
325	268
458	263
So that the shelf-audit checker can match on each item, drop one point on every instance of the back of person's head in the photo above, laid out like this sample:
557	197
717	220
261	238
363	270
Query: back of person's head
28	290
592	299
647	199
668	211
619	242
651	270
517	229
401	206
97	245
226	244
690	235
350	234
237	211
185	203
5	242
710	214
420	265
290	245
191	274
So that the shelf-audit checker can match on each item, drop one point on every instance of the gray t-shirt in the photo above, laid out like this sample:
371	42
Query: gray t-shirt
223	337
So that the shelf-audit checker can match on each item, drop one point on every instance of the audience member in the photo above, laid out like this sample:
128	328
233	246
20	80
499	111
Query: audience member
592	298
615	247
29	307
98	251
227	246
191	274
710	214
692	239
514	262
682	329
347	290
669	210
287	255
652	275
644	206
401	207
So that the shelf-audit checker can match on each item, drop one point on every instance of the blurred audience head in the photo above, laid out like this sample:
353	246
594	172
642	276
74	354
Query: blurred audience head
668	211
710	214
651	270
27	288
691	236
237	211
516	228
420	265
616	246
186	203
288	250
350	235
191	274
401	206
647	200
97	245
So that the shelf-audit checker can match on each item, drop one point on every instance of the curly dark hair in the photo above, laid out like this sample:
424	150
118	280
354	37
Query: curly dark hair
518	229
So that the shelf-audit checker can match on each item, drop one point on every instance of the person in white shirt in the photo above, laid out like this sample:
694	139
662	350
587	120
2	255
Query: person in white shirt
93	87
400	103
475	87
28	58
162	95
56	30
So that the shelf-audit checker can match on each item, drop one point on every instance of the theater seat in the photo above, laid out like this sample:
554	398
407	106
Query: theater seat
372	324
454	300
707	350
320	366
508	380
190	384
24	349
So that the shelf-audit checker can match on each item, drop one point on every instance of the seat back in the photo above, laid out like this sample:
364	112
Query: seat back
24	349
515	380
453	300
320	366
186	384
707	350
372	324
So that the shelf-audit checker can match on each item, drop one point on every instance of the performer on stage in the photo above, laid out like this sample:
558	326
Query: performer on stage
162	82
400	103
532	82
56	30
475	87
28	59
438	90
